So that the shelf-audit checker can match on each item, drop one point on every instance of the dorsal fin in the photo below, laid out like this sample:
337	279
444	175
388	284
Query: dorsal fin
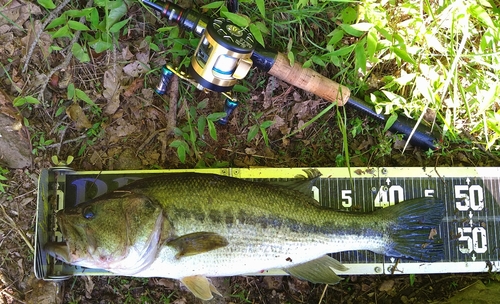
300	182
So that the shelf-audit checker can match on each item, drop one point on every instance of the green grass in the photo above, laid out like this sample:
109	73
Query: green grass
433	61
412	57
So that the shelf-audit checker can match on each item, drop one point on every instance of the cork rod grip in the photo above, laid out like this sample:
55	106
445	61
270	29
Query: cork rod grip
309	80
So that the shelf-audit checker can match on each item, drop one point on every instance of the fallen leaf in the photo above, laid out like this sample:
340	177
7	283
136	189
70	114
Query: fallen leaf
271	282
126	54
134	86
169	284
76	114
386	285
89	287
44	40
250	151
112	90
136	68
432	233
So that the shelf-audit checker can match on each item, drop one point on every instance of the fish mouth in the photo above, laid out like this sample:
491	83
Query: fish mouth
58	250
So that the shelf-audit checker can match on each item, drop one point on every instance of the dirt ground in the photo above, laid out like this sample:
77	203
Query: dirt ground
130	127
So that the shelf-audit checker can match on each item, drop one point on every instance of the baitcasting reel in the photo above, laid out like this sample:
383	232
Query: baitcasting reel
223	55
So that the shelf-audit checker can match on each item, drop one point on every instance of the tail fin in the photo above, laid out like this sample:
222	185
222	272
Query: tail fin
415	231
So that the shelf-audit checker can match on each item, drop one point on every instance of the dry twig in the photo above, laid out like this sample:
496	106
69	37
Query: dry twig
51	17
12	224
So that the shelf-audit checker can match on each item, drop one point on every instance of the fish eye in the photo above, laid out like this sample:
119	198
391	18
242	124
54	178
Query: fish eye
88	213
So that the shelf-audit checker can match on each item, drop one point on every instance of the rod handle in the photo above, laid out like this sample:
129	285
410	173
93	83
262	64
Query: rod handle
309	80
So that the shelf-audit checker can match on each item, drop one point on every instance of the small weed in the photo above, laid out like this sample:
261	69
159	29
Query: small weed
40	143
104	26
254	130
412	279
241	296
59	162
453	285
191	136
3	172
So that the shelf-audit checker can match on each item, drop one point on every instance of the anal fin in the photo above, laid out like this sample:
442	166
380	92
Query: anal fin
320	270
200	286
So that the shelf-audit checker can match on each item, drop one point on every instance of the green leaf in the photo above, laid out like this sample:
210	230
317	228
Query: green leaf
48	4
422	85
176	143
213	5
60	110
154	47
342	51
240	89
349	29
264	135
181	153
318	60
71	91
257	34
211	129
480	14
371	43
118	10
262	8
19	101
117	26
201	125
79	13
252	132
266	124
202	104
335	36
77	26
412	279
307	64
94	18
348	15
237	19
80	53
291	58
82	96
360	55
62	32
56	22
262	27
101	46
216	116
390	121
362	26
401	53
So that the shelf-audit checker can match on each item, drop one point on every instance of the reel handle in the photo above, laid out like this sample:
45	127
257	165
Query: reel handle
309	80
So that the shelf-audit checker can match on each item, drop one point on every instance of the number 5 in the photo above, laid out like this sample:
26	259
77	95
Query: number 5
346	198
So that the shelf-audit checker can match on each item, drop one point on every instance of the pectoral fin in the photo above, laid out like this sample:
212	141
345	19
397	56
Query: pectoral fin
200	286
198	242
318	271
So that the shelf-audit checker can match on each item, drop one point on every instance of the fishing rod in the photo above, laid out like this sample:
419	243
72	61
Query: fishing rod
226	53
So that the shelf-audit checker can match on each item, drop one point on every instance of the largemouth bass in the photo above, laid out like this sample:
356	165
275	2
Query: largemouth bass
190	226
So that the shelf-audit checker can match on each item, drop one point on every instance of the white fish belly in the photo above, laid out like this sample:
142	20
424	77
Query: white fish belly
253	249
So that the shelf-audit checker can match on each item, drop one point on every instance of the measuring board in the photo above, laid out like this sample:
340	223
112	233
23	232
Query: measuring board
470	229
